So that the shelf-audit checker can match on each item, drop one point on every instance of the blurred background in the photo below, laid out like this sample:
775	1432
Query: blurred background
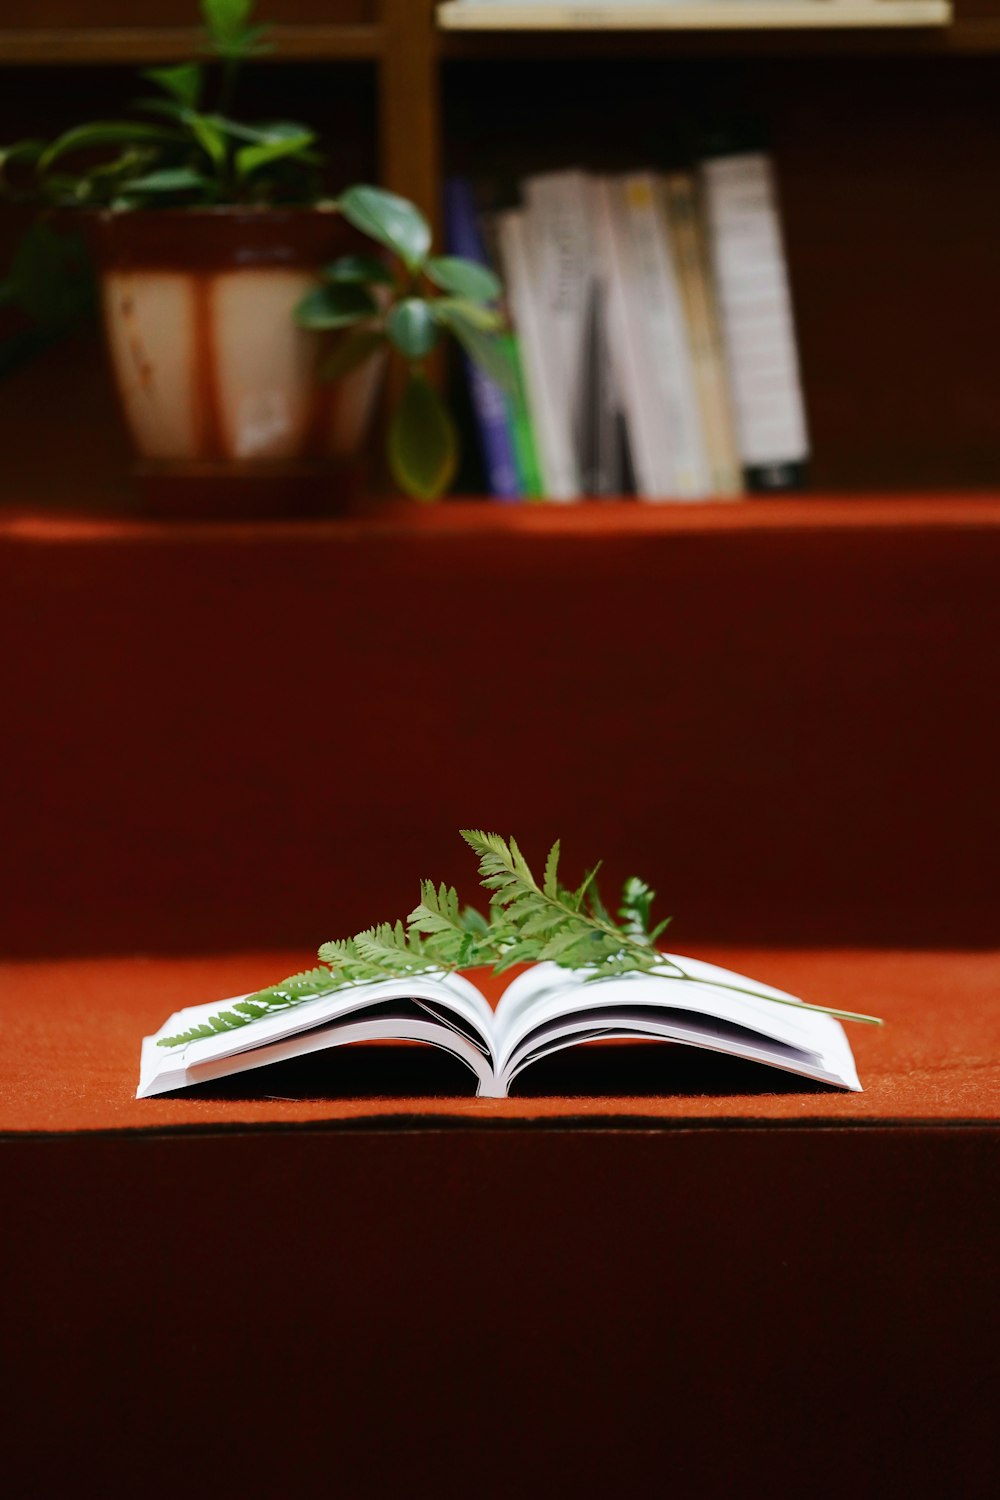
226	733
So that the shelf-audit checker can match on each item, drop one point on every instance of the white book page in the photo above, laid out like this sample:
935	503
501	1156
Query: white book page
834	1066
449	992
156	1080
548	994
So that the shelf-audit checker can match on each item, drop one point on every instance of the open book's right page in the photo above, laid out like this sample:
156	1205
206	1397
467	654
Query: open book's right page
549	1008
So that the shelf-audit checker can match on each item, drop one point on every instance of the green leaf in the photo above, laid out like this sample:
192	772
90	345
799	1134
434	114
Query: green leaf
335	307
227	18
412	328
473	314
393	221
486	349
364	269
251	158
209	136
550	883
636	901
423	446
474	922
108	133
350	352
276	130
463	278
183	82
228	25
24	152
170	180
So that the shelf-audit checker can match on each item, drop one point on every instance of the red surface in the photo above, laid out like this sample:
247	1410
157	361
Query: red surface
71	1035
781	713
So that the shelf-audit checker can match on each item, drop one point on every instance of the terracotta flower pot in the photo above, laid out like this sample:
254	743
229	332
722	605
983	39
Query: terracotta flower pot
209	364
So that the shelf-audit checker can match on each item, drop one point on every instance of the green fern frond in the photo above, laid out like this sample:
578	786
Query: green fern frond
637	898
550	881
527	923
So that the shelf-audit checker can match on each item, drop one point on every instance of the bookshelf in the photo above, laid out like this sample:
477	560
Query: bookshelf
884	138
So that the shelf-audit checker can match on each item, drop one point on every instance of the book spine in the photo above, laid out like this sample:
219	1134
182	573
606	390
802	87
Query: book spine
546	397
560	209
488	401
560	237
523	441
615	273
751	276
649	431
667	338
529	472
708	360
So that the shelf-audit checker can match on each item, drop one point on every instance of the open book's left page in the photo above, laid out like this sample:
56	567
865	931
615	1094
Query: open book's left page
445	1011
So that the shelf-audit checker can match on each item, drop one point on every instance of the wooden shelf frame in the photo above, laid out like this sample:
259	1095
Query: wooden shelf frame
152	44
378	41
587	521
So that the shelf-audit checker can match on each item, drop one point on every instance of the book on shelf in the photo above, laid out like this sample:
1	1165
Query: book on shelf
748	257
653	333
704	333
549	409
489	402
544	1010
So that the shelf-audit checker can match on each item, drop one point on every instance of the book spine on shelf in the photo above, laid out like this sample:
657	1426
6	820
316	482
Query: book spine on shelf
557	205
522	434
560	207
530	481
491	408
649	425
748	259
637	421
708	360
667	338
546	397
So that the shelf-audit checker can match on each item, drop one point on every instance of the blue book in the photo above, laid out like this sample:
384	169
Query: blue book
488	400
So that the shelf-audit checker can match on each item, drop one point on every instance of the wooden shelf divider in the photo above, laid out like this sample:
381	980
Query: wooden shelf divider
143	44
591	519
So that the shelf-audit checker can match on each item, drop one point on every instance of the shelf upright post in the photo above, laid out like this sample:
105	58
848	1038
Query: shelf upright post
410	118
409	110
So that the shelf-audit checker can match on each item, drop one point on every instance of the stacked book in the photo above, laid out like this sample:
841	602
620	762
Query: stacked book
652	335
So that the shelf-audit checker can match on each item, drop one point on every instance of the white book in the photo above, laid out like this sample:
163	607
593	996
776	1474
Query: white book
751	278
560	240
704	333
649	431
570	292
544	1010
660	306
547	397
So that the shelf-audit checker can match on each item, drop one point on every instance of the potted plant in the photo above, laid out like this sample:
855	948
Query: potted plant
247	316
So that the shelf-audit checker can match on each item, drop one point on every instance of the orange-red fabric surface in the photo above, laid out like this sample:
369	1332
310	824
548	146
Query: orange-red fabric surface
777	713
72	1030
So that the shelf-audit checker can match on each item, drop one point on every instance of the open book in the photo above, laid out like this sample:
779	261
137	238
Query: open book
542	1011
